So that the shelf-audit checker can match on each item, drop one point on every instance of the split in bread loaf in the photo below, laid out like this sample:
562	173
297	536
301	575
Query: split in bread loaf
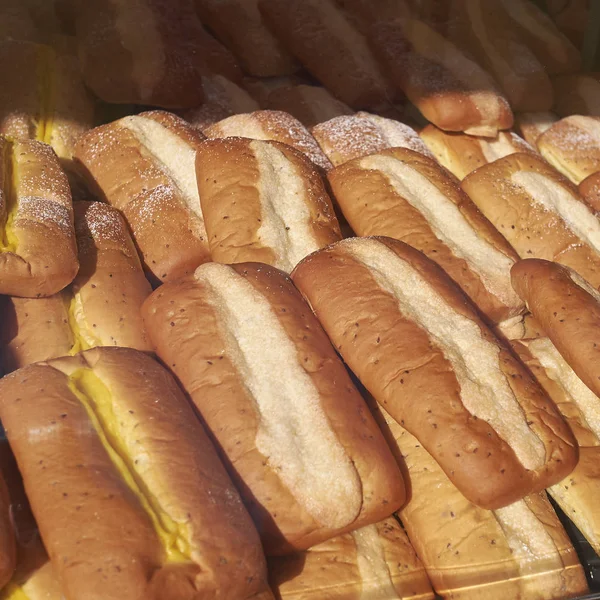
38	253
538	211
407	196
144	166
424	353
297	436
126	488
262	201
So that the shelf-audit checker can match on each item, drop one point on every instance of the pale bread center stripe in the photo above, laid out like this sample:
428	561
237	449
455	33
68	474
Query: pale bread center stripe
538	25
583	284
435	48
370	557
294	433
525	533
484	389
285	225
495	149
590	125
145	43
448	225
396	134
175	157
239	126
554	197
558	370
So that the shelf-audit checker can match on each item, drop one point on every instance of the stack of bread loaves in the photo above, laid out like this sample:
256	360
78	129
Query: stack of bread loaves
298	300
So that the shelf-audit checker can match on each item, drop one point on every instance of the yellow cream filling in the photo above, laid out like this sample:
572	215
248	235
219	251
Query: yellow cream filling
83	338
13	592
8	238
46	93
98	402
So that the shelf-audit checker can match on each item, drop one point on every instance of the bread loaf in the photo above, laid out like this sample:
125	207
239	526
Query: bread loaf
100	308
374	561
322	38
461	153
262	202
38	254
271	125
238	24
577	494
572	146
404	195
352	136
298	438
589	189
129	495
423	352
538	211
520	551
148	52
449	89
532	125
144	166
494	39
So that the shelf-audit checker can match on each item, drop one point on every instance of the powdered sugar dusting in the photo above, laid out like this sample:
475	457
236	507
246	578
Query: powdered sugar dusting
99	223
45	211
577	134
272	125
397	134
347	137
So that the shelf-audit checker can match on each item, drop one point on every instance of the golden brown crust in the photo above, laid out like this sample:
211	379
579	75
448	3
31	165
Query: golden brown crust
568	314
397	362
461	153
110	288
310	104
251	217
589	189
238	24
318	33
373	207
531	229
532	124
169	233
347	137
42	258
331	570
33	329
577	94
143	52
271	125
470	552
577	494
193	345
572	146
111	284
487	31
449	89
123	558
